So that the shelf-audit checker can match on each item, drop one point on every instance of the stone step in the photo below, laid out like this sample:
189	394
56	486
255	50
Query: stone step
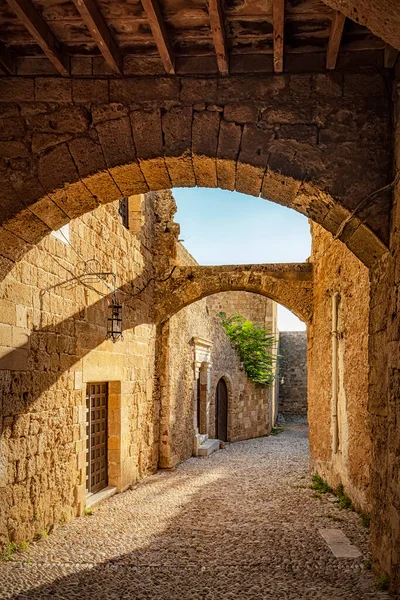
208	448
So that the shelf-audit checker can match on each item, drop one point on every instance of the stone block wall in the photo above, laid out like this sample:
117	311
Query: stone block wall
254	307
248	412
384	385
293	372
249	404
338	270
53	342
53	312
62	150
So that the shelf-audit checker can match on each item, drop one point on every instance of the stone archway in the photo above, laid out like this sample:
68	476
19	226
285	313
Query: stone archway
316	143
288	284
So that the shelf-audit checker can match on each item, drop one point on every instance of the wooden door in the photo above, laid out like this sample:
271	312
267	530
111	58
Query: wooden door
96	431
221	407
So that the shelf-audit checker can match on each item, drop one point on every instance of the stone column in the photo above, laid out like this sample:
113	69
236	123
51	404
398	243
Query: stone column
205	383
202	369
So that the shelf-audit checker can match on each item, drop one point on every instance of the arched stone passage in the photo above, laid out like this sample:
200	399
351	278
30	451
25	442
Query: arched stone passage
316	143
288	284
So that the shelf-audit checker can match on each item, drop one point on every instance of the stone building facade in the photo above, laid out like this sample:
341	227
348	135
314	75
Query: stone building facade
57	367
337	271
293	372
323	143
196	330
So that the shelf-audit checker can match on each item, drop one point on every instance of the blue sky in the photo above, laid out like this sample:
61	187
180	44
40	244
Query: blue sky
220	227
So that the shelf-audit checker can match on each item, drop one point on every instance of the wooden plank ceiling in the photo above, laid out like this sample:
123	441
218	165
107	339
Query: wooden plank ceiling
187	35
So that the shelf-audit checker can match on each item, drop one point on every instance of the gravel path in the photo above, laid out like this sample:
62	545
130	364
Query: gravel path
240	524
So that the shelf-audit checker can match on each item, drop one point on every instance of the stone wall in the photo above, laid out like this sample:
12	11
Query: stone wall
258	309
289	284
53	307
249	404
316	142
293	372
384	385
53	310
337	270
254	307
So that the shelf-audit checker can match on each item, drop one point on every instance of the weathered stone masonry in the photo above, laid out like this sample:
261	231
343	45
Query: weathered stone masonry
318	143
289	284
384	388
52	343
337	270
250	406
293	372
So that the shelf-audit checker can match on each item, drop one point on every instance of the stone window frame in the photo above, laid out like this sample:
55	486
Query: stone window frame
123	211
130	210
202	370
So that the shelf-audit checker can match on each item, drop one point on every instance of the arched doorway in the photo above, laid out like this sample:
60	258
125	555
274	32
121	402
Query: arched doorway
221	411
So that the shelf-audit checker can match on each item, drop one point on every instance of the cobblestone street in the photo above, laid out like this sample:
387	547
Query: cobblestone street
241	524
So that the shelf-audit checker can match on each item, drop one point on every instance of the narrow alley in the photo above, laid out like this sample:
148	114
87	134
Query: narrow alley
241	524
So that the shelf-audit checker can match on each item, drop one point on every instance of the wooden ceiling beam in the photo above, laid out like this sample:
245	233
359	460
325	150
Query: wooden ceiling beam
278	17
101	34
160	34
7	60
41	33
335	38
390	55
218	33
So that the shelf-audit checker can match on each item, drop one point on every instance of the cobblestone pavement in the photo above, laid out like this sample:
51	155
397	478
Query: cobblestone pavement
240	524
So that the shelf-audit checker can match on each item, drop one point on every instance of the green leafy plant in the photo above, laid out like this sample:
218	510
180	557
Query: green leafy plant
365	519
368	564
382	582
88	512
344	501
12	548
41	535
320	485
276	430
254	345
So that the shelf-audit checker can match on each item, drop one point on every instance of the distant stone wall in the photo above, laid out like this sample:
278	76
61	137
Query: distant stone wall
254	307
258	309
293	372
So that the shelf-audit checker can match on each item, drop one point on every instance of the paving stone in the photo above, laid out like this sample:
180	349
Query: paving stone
242	524
339	543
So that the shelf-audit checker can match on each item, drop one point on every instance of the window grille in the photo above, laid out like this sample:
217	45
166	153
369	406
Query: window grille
123	212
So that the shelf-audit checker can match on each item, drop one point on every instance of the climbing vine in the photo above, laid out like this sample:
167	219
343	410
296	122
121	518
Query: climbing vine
255	346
